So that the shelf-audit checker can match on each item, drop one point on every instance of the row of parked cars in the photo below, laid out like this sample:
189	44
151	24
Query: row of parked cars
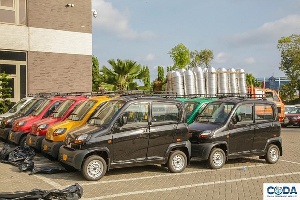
99	133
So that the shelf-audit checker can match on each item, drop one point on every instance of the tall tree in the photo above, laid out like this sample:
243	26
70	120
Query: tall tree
122	74
96	77
290	59
5	93
206	56
144	75
180	55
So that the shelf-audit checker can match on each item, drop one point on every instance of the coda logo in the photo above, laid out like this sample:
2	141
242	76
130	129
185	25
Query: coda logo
281	191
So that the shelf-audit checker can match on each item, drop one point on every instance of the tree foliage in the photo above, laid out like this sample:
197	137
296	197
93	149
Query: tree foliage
96	77
251	80
180	55
5	93
287	92
202	58
160	74
144	75
122	74
290	59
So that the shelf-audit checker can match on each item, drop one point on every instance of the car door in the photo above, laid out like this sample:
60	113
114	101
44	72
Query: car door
164	122
264	125
242	133
130	140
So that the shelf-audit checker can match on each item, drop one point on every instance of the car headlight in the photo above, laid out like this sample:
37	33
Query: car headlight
43	126
6	122
206	134
22	123
59	131
82	138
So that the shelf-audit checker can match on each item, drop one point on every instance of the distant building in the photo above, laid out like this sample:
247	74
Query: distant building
274	83
46	45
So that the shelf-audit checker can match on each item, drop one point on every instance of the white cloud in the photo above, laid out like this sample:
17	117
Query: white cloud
150	57
113	21
221	58
269	32
250	61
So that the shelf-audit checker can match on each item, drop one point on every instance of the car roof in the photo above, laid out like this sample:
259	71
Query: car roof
146	98
237	100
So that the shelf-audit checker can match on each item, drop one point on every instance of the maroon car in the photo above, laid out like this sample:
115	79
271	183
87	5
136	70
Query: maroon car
292	118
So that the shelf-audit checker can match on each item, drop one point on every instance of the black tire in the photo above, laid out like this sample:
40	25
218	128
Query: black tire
216	159
283	125
272	155
177	161
94	168
23	142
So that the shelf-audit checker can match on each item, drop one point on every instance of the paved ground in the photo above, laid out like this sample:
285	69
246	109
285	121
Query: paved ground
154	182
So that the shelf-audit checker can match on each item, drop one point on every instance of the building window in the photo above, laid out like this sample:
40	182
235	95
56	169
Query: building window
14	64
13	11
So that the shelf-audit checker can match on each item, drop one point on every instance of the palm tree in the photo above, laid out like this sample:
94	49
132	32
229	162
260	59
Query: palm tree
122	74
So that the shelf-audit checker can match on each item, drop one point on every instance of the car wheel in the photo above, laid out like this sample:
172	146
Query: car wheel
216	158
177	161
272	155
94	168
23	142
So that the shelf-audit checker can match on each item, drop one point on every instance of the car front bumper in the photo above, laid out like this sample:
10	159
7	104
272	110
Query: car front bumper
51	148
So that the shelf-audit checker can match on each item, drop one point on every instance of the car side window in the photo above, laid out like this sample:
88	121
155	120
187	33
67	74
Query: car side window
165	112
244	113
264	112
52	109
137	114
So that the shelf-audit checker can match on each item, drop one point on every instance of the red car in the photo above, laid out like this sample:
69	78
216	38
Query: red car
39	128
22	126
292	118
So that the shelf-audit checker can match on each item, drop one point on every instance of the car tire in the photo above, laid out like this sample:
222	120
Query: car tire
216	159
283	125
272	155
94	168
177	161
23	142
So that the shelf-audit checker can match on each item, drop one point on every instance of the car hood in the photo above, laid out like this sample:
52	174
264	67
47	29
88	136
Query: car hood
198	127
86	129
48	121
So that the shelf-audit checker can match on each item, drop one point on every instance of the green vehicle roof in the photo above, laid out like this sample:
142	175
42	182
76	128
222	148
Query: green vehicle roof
201	100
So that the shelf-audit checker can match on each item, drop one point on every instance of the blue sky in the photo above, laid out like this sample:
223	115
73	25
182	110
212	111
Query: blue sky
241	33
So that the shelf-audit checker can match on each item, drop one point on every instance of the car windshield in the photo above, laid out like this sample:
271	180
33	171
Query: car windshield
17	106
28	106
296	111
290	109
106	112
62	109
216	113
84	107
41	107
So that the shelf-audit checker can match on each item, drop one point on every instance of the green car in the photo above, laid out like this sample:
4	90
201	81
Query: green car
193	106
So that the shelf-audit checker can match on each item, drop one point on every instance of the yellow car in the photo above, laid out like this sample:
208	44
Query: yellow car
56	133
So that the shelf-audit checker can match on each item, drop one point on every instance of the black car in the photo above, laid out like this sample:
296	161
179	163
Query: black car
129	131
235	127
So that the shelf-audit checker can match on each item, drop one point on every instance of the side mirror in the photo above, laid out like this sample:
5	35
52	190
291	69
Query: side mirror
124	119
234	120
